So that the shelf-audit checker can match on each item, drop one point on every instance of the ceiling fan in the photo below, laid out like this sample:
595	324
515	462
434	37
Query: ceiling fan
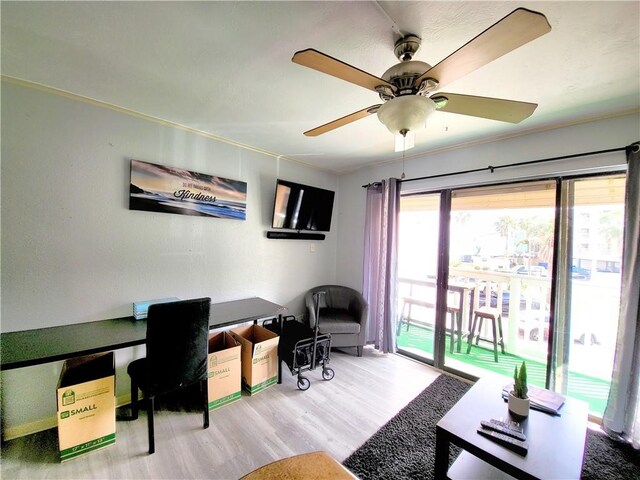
409	89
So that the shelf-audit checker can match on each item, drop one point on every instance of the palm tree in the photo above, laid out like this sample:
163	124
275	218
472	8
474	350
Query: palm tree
539	233
504	226
611	230
535	232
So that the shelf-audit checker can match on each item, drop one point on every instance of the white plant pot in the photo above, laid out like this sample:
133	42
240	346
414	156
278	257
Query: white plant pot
518	407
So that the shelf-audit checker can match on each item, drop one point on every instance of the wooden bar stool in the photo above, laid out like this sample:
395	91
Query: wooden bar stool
405	314
455	327
494	315
453	312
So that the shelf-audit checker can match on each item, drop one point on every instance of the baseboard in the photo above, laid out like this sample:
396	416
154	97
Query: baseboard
29	428
43	424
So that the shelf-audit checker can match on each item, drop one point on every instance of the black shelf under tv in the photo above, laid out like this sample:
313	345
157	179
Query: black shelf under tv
295	235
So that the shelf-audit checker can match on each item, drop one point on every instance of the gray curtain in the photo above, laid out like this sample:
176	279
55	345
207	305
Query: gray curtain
380	263
622	415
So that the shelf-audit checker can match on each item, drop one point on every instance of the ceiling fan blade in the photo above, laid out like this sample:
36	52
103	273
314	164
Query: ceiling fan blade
485	107
516	29
341	122
331	66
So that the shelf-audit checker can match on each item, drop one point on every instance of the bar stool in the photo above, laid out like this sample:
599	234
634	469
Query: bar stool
405	314
455	327
490	314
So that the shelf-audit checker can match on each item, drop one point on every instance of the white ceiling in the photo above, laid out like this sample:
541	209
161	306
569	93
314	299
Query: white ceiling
225	67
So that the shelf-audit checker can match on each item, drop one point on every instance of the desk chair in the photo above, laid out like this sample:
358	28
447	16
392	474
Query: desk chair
177	347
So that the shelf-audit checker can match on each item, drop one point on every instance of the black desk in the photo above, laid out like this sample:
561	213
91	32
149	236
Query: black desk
43	345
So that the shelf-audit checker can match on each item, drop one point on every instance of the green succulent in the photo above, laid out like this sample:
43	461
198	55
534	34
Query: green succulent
520	381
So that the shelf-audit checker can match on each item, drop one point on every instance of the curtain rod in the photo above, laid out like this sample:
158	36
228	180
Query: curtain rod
492	168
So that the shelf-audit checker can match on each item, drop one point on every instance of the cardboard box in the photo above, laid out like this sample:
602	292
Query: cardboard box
86	405
259	357
224	370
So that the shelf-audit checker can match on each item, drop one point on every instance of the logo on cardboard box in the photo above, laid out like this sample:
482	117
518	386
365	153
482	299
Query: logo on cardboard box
260	359
216	373
76	411
68	397
213	360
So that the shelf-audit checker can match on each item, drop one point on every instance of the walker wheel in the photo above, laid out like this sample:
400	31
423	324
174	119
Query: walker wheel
328	373
303	383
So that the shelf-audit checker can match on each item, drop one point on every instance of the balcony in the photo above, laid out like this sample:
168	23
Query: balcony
525	326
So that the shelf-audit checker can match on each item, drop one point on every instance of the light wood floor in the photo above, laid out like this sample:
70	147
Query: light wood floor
335	416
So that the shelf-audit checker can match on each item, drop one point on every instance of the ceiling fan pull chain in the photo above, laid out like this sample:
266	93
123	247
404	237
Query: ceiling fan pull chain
404	149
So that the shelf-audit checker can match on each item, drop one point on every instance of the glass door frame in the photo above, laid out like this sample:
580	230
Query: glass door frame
562	245
442	279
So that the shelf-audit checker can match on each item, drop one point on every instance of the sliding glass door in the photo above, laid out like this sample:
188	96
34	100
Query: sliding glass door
501	253
587	310
536	267
418	228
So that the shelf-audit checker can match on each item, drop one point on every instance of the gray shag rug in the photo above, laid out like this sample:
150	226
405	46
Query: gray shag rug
404	448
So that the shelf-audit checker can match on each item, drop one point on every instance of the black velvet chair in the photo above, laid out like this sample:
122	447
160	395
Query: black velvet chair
177	348
343	312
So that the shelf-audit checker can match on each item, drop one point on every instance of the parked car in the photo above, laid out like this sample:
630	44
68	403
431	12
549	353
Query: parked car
531	323
506	299
579	273
533	271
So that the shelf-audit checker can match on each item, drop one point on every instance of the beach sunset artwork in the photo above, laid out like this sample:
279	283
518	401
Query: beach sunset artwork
158	188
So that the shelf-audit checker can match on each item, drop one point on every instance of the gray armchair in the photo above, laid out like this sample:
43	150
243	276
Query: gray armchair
343	313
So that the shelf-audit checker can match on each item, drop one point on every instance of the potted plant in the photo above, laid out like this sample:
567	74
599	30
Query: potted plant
518	399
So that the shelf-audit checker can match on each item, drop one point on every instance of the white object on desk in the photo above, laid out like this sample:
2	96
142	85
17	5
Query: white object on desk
140	309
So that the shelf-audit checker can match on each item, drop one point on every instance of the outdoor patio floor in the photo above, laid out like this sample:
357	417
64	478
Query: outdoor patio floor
593	390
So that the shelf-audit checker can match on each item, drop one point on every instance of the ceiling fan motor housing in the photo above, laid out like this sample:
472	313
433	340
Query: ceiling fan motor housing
403	76
406	47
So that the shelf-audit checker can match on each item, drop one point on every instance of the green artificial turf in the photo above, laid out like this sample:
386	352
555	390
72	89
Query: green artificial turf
593	390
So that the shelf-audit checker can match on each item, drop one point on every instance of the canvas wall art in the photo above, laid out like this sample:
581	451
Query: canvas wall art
158	188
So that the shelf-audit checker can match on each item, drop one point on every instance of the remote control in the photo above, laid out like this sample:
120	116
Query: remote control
508	424
501	429
512	444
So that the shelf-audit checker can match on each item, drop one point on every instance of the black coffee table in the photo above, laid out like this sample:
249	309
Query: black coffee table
556	443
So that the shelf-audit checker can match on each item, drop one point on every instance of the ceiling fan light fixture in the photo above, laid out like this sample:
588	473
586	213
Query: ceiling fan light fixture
408	113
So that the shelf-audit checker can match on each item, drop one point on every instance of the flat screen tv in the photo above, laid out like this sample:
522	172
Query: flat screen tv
302	207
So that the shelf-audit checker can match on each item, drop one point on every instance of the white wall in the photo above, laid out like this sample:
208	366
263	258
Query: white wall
73	252
593	136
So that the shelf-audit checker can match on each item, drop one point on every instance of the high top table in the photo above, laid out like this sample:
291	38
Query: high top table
43	345
556	443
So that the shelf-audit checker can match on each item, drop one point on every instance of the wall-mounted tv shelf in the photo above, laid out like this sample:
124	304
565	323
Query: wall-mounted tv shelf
295	235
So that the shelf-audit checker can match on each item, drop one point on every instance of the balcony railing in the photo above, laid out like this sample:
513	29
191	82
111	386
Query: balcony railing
523	302
525	321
